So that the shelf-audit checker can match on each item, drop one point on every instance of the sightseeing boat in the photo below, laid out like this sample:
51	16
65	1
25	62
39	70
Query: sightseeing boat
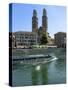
32	59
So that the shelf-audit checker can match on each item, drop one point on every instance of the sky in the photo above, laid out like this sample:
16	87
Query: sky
22	17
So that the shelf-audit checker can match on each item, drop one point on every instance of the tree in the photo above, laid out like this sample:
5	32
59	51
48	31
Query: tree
44	38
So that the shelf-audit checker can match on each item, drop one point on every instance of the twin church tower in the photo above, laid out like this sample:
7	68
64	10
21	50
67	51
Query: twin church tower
26	39
35	21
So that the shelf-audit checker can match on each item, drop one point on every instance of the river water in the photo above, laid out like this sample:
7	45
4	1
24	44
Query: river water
53	72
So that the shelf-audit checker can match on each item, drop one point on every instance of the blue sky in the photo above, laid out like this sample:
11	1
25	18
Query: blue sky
22	17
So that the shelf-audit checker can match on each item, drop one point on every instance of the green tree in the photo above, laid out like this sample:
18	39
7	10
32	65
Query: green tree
44	38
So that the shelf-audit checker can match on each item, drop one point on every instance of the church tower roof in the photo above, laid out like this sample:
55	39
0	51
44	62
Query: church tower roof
34	13
44	12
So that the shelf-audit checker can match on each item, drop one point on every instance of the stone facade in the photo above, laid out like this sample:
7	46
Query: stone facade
25	39
34	22
60	39
44	21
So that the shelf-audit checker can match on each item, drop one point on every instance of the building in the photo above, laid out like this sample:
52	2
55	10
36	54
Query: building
60	39
25	39
12	40
50	42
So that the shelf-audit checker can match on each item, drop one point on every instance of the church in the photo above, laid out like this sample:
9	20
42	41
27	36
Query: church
23	39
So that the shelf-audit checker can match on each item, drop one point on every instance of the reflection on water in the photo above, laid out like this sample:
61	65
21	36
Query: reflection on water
44	75
53	72
39	77
34	76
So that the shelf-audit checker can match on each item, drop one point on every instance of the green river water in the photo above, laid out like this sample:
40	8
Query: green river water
53	72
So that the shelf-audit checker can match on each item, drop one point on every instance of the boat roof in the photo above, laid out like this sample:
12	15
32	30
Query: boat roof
30	56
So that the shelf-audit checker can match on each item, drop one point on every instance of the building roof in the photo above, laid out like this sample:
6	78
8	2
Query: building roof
25	32
60	33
